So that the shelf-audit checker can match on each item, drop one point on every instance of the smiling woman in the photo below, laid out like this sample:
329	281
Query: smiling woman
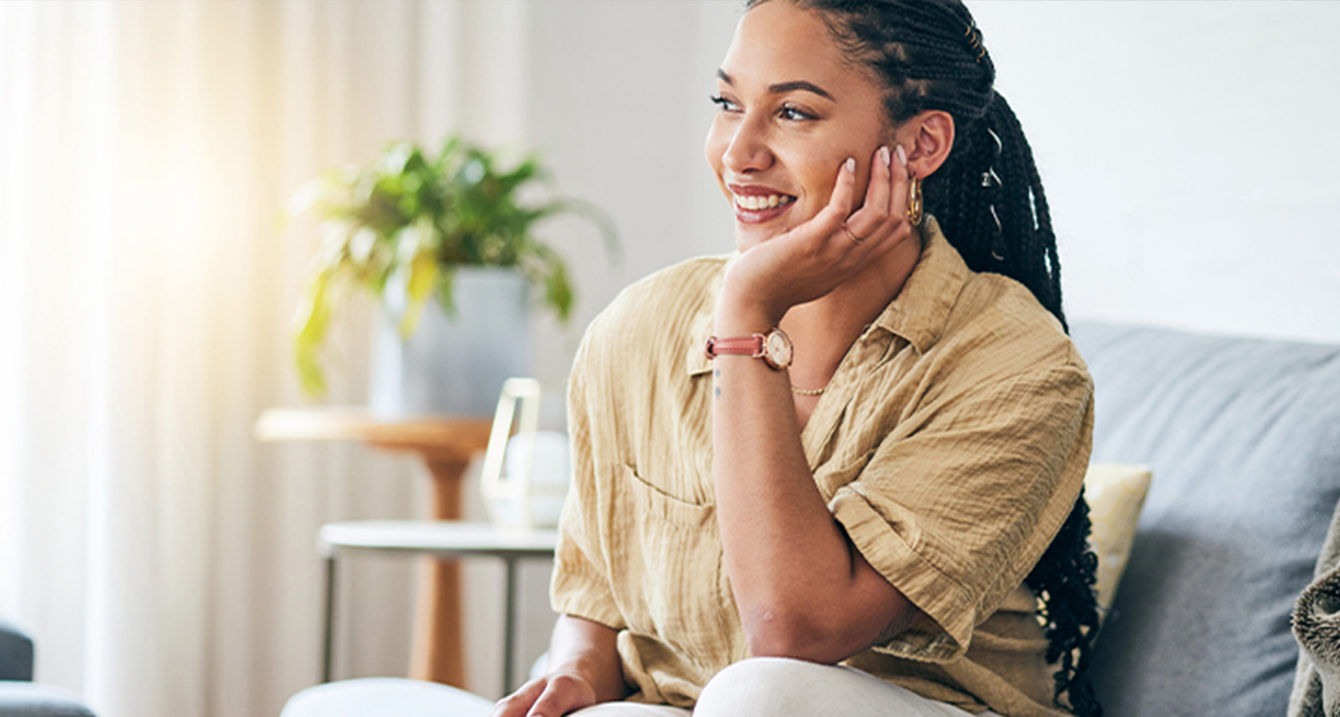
878	497
839	471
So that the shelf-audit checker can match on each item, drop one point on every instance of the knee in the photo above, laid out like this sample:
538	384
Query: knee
759	685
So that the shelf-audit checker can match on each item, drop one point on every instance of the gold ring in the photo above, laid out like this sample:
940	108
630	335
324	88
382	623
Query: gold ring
853	237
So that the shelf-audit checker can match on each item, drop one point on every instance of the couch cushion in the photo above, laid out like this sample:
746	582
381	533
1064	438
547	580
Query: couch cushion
1115	493
25	699
1244	438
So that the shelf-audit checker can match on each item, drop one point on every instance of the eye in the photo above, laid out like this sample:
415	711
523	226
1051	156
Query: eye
795	114
725	104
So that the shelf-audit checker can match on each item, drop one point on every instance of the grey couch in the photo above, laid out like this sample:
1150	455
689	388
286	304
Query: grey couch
19	696
1244	440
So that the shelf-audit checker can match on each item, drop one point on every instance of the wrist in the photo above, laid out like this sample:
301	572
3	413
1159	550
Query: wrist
736	315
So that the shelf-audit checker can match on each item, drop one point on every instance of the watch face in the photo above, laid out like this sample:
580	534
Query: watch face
778	349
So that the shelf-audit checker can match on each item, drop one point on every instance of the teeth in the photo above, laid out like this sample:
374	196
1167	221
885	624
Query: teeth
755	201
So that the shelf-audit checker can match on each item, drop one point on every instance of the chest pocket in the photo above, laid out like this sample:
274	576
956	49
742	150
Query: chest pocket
676	585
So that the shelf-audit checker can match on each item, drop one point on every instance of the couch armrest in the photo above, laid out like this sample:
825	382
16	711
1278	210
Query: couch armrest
25	699
16	653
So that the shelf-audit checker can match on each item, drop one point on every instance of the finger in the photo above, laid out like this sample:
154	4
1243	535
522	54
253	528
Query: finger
878	192
840	203
559	698
900	185
519	702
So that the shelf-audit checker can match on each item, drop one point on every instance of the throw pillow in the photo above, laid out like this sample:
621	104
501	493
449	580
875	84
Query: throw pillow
1116	493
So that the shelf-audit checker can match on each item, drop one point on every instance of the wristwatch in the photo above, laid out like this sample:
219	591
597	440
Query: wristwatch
773	347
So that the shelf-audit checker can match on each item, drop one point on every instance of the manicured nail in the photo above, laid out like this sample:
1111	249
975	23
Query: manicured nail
902	155
850	165
884	155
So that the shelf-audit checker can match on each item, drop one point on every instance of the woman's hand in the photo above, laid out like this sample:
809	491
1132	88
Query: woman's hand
584	668
817	256
553	695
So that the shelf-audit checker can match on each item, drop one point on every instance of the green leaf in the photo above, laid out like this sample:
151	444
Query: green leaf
446	283
311	321
423	278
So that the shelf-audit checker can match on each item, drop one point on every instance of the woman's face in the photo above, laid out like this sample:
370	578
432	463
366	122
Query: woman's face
792	110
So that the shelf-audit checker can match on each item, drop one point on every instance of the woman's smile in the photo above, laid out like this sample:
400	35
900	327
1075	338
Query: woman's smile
755	205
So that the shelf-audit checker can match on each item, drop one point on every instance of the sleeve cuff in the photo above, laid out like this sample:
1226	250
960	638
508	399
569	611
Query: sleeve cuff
886	548
580	594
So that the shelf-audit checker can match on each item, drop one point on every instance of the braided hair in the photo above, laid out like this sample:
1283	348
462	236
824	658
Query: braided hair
988	199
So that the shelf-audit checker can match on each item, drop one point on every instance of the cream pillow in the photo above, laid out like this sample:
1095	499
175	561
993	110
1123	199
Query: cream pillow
1116	493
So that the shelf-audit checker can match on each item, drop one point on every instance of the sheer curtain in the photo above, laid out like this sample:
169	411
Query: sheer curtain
162	558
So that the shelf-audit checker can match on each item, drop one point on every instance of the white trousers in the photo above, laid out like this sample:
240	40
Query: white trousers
759	687
775	687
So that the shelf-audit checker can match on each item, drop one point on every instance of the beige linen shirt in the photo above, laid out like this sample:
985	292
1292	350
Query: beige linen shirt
950	446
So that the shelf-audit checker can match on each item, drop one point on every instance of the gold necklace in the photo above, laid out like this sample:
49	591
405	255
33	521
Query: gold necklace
808	391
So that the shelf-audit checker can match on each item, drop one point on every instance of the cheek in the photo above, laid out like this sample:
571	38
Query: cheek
818	177
818	174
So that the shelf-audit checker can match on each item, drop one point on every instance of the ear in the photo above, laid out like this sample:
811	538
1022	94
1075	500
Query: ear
927	138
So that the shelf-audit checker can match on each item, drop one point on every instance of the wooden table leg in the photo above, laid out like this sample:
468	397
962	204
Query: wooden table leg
438	653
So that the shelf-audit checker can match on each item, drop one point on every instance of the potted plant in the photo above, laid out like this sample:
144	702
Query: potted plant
412	228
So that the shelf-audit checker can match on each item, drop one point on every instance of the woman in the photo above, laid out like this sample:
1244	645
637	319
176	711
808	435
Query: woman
895	492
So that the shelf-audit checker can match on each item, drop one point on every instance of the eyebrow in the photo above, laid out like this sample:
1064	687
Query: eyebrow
783	87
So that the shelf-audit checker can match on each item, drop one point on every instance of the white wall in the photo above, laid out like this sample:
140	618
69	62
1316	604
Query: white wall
1191	154
1189	150
618	103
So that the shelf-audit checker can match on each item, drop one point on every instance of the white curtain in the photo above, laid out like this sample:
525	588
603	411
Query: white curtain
162	558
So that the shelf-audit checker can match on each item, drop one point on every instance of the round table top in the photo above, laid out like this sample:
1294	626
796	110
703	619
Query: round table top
447	538
436	434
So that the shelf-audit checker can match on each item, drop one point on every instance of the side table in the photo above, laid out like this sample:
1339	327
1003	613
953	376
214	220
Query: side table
442	539
445	445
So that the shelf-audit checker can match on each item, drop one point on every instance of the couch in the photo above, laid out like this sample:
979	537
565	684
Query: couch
1243	437
1244	440
19	695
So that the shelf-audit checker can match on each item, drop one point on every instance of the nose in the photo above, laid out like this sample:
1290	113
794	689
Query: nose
748	149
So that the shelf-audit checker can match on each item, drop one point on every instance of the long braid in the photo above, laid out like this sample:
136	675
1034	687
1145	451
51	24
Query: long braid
988	199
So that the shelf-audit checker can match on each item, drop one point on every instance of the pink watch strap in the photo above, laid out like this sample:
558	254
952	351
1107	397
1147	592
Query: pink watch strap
751	346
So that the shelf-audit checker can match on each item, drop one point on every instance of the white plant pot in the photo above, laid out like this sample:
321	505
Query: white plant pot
452	365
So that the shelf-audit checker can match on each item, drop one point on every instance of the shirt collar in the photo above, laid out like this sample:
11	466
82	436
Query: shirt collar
918	313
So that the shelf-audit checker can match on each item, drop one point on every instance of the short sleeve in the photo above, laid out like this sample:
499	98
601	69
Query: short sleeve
580	585
956	508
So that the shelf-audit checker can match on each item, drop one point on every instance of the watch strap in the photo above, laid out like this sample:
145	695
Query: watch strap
751	346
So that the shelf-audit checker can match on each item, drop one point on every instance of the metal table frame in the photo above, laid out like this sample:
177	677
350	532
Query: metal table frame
439	539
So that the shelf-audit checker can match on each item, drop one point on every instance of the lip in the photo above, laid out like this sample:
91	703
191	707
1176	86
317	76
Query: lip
757	216
753	190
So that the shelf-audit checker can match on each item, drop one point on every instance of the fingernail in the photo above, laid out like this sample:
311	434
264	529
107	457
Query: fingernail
850	165
884	155
902	155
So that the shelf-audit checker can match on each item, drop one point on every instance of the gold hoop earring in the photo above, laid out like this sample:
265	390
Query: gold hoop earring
915	206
